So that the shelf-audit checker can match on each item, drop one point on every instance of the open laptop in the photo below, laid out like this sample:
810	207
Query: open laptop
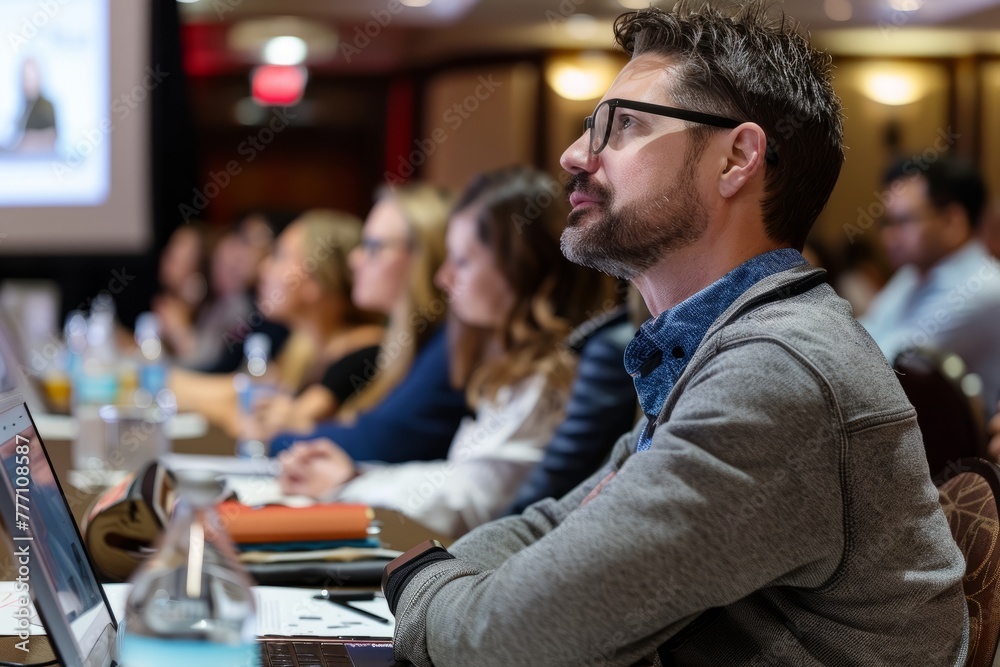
62	581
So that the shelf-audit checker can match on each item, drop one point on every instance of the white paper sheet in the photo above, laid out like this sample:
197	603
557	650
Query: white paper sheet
286	612
293	612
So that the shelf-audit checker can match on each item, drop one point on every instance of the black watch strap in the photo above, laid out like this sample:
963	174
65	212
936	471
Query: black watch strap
399	572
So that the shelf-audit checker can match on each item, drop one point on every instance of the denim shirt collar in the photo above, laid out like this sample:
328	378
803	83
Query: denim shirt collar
664	345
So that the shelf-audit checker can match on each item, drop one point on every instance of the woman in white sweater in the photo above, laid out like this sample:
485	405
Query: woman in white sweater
512	299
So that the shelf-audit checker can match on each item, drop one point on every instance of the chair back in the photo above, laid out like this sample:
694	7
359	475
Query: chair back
969	499
948	402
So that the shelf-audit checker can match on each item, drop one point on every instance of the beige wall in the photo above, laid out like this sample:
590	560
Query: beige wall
493	126
990	128
920	123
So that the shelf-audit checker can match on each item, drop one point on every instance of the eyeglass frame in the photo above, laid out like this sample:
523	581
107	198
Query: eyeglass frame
770	155
373	246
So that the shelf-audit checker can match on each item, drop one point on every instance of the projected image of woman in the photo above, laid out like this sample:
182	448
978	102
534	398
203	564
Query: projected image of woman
37	125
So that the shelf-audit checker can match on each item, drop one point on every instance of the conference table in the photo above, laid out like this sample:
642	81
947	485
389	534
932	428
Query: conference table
397	531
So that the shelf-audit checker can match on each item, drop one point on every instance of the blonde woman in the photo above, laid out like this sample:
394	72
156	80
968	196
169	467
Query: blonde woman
514	299
408	408
306	285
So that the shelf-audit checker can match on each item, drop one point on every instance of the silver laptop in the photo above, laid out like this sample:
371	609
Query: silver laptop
61	578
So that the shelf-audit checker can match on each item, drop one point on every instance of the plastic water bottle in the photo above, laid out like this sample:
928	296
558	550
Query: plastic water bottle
98	380
251	386
191	603
153	367
95	381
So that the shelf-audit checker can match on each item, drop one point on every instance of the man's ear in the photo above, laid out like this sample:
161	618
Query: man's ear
745	147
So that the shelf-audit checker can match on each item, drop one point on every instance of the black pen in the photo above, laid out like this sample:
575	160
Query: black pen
346	605
343	596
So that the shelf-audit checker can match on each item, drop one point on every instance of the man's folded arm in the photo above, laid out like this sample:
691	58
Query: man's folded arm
722	504
489	545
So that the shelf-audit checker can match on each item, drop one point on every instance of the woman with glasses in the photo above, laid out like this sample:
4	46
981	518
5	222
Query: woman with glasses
405	407
513	299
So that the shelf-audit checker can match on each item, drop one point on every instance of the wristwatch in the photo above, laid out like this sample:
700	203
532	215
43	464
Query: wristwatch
399	571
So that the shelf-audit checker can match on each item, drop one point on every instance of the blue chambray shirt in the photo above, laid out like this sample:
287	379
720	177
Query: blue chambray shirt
664	345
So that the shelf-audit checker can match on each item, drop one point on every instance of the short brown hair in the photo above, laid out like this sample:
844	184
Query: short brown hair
751	65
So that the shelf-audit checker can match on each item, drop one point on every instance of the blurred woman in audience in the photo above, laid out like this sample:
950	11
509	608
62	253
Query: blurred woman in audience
514	299
256	230
183	283
305	285
199	345
408	409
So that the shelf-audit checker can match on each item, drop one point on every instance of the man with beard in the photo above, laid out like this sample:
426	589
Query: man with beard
774	504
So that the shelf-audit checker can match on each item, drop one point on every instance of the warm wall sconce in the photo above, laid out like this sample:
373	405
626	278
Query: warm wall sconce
893	85
581	77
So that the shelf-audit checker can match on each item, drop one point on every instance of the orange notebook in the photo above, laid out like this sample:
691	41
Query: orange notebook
278	523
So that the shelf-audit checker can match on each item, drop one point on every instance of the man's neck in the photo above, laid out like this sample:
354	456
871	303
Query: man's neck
687	271
925	271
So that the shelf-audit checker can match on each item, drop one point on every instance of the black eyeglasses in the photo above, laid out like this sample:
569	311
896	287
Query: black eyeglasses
603	117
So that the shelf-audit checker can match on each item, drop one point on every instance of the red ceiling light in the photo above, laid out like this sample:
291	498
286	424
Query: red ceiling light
278	85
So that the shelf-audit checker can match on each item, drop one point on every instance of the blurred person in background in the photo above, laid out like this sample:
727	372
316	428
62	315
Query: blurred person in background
406	408
994	445
183	281
198	345
601	405
306	286
991	229
514	299
945	294
257	232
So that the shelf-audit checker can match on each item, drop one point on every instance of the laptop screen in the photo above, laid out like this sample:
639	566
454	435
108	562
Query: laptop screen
44	534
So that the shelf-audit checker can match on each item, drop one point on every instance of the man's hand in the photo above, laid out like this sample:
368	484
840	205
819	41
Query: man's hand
314	468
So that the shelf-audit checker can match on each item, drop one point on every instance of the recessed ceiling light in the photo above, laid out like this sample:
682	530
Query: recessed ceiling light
906	5
188	2
285	50
415	3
